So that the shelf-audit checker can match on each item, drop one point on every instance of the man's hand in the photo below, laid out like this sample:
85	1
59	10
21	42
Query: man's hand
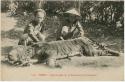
61	38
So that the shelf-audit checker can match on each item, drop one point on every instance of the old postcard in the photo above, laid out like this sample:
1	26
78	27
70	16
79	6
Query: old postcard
77	40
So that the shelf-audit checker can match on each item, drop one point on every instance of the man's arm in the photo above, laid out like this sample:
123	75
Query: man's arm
79	26
60	34
32	34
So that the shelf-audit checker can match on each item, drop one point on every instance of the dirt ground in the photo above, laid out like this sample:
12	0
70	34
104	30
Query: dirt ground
78	68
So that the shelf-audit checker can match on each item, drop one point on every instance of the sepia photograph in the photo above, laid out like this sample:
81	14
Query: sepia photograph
62	40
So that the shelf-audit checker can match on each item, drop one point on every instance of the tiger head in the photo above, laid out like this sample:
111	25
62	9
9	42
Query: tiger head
20	55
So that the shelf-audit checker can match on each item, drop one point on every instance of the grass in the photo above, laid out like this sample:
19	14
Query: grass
94	62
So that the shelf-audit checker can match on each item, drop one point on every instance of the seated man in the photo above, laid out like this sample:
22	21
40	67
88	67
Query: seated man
71	26
33	32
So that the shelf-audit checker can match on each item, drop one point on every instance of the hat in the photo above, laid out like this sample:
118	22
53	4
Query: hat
73	12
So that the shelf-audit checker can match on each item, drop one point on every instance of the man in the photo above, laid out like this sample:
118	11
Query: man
34	31
71	26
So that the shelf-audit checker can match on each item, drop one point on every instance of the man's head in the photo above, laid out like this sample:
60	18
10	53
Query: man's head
72	15
40	15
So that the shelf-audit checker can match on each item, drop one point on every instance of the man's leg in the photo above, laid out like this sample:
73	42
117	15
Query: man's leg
24	40
41	37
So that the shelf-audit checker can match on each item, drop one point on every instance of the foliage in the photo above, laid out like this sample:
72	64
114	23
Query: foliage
108	14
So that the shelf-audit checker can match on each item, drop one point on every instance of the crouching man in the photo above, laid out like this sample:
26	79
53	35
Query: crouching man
34	31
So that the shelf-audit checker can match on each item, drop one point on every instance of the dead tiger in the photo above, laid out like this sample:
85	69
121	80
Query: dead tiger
50	52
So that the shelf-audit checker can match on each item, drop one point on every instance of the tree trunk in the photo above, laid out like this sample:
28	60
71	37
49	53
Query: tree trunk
39	4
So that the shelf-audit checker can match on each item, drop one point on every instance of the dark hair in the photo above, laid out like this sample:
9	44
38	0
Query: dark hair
39	10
